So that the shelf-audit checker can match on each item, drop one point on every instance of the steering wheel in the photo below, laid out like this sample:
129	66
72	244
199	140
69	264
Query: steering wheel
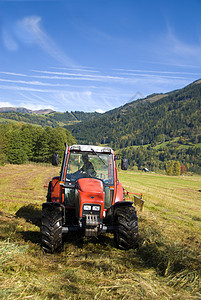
85	174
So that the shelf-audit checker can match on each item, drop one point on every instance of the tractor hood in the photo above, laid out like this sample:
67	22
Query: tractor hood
90	185
90	191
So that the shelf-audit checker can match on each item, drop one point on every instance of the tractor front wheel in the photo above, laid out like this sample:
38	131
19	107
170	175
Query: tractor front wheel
126	234
51	229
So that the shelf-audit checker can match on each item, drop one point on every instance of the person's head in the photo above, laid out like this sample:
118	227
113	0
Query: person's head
85	157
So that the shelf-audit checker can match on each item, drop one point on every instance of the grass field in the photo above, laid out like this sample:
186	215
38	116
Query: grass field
167	264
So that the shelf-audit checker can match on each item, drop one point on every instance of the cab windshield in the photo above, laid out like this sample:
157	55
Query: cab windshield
90	165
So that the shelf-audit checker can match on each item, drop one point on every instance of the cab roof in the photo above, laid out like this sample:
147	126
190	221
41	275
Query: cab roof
91	148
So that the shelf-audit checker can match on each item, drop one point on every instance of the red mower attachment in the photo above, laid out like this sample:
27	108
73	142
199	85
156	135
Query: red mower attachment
136	198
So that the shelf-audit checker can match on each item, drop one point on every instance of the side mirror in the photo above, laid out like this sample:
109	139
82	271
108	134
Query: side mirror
55	159
124	163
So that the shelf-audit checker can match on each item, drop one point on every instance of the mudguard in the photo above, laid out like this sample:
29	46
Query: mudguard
55	190
119	193
123	203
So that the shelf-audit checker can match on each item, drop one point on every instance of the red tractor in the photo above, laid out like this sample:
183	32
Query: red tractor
87	197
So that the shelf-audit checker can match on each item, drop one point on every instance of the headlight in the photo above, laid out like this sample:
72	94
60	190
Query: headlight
87	207
96	208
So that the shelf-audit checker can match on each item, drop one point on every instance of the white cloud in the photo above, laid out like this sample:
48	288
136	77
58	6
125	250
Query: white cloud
9	41
177	52
6	104
80	68
129	72
180	48
81	76
81	101
34	83
36	106
29	30
23	88
99	110
14	74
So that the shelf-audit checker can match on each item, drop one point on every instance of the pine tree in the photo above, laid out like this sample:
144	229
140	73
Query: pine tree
14	148
169	167
27	140
3	157
43	148
176	168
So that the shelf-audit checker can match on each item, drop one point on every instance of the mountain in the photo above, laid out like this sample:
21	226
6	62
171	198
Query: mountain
25	110
156	132
156	118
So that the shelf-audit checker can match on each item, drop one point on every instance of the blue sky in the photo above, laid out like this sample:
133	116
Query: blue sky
95	55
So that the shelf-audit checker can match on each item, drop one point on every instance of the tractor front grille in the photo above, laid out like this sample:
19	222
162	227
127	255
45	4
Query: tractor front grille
91	209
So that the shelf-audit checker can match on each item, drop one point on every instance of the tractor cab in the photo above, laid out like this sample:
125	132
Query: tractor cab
92	167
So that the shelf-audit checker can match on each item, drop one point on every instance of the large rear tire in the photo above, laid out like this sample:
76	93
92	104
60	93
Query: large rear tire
51	229
126	234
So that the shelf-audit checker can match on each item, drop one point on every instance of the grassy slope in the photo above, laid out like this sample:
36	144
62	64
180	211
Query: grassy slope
165	266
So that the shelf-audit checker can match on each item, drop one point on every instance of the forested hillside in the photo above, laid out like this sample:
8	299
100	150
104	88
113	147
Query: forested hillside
151	131
53	119
177	114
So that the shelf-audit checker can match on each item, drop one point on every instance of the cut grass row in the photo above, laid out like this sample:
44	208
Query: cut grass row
166	265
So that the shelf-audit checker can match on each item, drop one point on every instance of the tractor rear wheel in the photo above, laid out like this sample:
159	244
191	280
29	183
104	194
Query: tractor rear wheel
51	229
126	234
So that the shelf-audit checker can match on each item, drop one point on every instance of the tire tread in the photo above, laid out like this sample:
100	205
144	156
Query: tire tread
51	229
126	236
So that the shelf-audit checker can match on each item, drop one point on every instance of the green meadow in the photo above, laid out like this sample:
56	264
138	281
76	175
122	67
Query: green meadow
167	264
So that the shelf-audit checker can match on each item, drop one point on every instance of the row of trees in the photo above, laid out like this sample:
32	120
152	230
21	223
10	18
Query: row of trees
22	143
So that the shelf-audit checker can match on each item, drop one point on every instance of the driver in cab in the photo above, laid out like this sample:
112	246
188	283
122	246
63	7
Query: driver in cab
88	167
